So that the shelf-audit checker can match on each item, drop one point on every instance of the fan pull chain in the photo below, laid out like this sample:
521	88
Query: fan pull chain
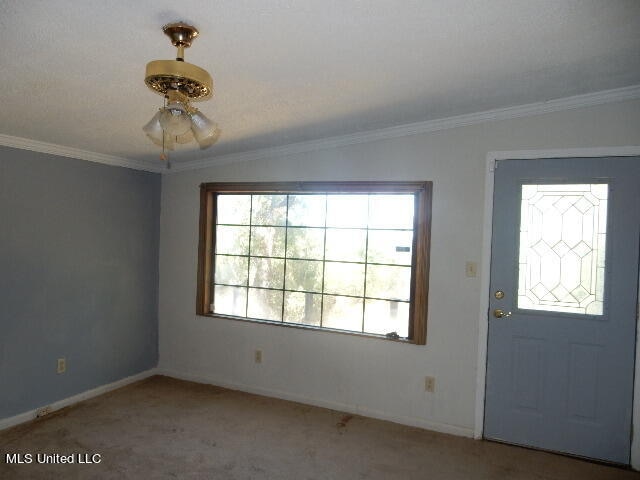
164	156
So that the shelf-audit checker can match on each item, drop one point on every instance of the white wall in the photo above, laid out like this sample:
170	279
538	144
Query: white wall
374	377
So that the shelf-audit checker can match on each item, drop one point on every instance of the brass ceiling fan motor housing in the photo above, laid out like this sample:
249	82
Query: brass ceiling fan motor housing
163	76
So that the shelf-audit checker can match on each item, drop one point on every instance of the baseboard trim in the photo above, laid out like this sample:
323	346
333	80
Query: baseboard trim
354	409
65	402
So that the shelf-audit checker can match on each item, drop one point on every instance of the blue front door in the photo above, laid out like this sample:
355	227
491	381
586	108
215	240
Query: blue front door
564	296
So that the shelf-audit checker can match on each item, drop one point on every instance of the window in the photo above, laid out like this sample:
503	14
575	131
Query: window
341	256
563	229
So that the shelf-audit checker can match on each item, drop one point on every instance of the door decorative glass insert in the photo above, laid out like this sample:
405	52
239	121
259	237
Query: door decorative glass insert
562	248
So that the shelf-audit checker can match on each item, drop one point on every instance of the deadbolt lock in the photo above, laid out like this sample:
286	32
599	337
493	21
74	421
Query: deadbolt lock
499	294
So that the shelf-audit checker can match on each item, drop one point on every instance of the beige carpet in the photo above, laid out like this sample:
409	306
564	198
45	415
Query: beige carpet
165	428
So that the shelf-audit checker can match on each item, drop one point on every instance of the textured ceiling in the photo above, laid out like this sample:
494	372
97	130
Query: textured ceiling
287	71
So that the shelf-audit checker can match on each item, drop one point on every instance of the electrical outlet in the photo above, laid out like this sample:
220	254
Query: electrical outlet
471	269
257	357
429	384
62	365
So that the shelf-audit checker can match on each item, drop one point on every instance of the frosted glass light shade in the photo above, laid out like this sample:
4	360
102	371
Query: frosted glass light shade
186	137
174	119
169	143
205	131
156	134
153	129
178	123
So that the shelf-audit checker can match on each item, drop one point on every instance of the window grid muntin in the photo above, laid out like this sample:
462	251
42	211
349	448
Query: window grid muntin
315	260
324	258
324	261
246	309
311	292
284	272
319	228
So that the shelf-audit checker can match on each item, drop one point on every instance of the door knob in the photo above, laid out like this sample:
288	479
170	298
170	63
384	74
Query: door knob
498	313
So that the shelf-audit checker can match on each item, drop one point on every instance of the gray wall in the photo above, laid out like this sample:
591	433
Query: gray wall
78	276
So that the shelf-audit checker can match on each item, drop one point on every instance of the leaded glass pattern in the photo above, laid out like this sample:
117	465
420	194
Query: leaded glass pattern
562	248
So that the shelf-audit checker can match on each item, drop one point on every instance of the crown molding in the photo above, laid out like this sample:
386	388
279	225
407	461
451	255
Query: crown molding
569	103
538	108
62	151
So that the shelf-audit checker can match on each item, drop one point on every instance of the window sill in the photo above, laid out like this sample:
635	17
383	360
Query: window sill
308	327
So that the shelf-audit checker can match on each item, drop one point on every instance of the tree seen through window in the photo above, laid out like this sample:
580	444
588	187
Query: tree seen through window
337	261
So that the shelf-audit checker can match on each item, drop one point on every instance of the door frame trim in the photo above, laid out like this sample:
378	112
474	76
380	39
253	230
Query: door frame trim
483	326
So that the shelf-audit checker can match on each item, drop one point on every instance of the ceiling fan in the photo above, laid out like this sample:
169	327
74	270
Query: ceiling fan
180	83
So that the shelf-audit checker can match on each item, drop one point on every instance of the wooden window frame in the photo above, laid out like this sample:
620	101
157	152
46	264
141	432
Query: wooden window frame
420	258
